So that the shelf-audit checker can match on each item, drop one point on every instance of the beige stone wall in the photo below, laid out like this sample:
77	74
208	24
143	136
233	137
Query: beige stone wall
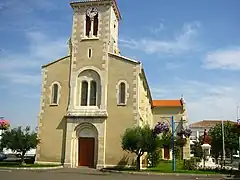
51	123
120	117
165	113
144	103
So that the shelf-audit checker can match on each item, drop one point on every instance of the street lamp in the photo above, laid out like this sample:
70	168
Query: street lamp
172	124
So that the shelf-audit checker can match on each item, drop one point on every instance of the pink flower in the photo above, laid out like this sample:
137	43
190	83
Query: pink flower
4	124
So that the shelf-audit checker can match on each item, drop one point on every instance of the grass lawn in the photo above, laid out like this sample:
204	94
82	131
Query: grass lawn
166	167
17	165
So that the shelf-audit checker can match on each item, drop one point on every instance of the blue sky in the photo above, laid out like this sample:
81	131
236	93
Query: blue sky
187	47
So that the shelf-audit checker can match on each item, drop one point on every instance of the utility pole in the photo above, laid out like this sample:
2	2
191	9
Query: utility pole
223	139
238	123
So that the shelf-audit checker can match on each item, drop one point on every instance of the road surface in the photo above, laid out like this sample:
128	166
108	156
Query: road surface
88	174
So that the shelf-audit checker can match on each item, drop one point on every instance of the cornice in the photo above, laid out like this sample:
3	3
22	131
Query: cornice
113	3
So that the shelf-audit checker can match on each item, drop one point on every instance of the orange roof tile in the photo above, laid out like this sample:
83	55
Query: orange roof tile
166	103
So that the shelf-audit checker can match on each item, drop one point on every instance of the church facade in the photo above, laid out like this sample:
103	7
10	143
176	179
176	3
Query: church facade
90	96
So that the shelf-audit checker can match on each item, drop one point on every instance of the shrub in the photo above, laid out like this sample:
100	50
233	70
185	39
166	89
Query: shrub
154	157
190	164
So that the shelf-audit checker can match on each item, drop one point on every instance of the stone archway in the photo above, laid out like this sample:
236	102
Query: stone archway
87	145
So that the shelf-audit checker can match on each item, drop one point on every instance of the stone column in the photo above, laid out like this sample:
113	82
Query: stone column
67	160
92	26
101	159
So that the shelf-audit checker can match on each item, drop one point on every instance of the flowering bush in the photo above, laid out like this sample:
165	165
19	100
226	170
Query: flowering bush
161	127
4	125
186	132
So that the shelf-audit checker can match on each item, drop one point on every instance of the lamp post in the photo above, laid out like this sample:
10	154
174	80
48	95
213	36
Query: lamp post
172	123
173	148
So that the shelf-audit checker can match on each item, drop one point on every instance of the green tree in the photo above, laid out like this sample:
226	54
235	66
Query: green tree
166	140
197	149
19	140
139	140
231	139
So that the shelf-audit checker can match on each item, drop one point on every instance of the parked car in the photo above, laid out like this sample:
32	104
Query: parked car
3	156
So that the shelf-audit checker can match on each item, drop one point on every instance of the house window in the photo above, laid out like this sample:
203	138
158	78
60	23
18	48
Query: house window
93	93
122	93
84	93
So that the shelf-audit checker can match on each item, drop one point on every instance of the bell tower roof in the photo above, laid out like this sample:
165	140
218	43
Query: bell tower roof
97	2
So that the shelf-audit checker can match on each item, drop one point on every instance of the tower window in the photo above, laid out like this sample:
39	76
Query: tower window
88	25
93	93
89	53
95	25
84	93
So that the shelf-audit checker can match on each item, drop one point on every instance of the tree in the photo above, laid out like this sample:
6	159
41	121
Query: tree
139	140
231	139
19	140
197	149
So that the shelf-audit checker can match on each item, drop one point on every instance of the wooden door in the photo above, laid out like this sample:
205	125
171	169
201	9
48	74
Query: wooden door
166	153
86	152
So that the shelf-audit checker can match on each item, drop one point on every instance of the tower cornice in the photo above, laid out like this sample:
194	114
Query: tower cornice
113	3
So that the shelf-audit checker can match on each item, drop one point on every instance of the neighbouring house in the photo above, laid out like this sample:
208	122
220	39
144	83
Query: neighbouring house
91	96
199	127
163	110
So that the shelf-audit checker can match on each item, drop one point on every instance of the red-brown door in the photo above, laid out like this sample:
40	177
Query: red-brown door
86	152
166	153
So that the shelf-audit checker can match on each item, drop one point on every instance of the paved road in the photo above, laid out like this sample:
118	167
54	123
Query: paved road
88	174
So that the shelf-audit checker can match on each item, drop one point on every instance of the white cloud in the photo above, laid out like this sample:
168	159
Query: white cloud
223	59
24	67
203	100
181	43
157	29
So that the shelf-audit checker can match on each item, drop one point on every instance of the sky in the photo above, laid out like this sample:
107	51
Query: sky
189	48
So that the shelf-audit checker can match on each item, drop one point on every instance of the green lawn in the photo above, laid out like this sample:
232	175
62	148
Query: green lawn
17	165
166	167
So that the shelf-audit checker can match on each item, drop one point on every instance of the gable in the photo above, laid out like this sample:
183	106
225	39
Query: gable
56	61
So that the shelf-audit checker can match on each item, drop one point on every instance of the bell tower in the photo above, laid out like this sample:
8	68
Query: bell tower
96	20
94	35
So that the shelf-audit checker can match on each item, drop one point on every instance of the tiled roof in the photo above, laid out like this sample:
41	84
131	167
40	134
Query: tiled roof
208	123
166	103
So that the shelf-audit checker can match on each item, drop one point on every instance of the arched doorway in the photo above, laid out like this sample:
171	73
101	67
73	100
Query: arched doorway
87	145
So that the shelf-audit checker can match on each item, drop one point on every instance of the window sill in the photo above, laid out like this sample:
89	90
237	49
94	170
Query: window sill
90	38
121	104
54	104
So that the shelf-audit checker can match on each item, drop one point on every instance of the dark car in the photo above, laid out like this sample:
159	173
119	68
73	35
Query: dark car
3	156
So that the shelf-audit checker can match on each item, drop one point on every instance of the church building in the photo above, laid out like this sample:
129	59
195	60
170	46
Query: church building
93	94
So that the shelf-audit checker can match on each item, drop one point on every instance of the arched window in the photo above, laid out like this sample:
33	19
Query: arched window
95	25
93	93
55	89
88	25
84	93
122	93
89	89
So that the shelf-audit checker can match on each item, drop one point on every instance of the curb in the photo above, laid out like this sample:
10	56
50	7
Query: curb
163	174
31	168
